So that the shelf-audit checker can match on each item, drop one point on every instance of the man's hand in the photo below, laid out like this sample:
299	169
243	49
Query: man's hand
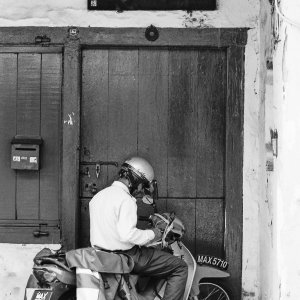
158	235
158	222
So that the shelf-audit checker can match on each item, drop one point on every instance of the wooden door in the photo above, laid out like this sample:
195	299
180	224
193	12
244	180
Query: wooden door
167	105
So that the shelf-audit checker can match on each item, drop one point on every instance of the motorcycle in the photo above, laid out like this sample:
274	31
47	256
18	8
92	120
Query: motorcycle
53	279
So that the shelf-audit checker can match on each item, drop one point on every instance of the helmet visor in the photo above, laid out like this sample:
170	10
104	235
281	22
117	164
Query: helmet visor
150	188
137	175
150	192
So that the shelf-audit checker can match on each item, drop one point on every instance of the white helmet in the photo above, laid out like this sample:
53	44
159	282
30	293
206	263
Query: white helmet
139	168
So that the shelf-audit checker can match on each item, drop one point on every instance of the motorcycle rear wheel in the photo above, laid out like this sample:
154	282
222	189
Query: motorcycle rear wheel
213	290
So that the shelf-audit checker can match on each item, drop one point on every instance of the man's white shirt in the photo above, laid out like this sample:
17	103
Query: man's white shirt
113	219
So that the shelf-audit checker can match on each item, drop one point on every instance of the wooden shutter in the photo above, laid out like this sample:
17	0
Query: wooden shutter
30	104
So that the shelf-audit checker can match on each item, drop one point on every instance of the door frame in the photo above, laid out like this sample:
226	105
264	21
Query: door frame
73	40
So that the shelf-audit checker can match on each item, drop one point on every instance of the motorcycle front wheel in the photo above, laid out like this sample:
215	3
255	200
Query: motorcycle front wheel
212	290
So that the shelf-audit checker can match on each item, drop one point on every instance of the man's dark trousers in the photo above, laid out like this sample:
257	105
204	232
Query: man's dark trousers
156	263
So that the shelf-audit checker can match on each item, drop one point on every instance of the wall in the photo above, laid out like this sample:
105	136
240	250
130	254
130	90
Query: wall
266	205
258	249
230	13
286	97
15	265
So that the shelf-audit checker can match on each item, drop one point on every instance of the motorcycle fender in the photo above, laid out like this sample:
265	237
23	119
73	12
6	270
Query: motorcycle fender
205	272
209	272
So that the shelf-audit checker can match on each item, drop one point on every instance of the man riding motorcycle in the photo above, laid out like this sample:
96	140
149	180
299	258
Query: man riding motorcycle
113	220
119	249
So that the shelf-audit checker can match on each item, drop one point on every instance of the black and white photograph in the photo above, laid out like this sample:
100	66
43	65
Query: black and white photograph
149	150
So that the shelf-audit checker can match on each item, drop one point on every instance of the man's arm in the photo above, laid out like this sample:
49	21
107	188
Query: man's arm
127	221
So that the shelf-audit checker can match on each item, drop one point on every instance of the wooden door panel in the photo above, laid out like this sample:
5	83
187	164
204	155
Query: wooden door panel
8	88
28	123
94	121
123	106
182	130
204	224
50	131
153	113
210	220
209	90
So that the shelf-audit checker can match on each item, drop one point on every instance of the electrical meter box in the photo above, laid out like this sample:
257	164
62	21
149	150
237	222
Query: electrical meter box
25	152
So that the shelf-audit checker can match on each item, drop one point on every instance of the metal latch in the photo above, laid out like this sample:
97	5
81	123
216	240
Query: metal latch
98	165
40	232
42	40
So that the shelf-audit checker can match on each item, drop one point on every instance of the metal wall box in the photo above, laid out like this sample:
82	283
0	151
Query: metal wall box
25	152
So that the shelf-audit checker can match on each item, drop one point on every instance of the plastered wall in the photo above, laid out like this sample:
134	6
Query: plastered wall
258	232
266	208
286	99
230	13
16	261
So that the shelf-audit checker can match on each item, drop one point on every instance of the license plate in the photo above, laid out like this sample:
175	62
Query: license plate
212	261
41	295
